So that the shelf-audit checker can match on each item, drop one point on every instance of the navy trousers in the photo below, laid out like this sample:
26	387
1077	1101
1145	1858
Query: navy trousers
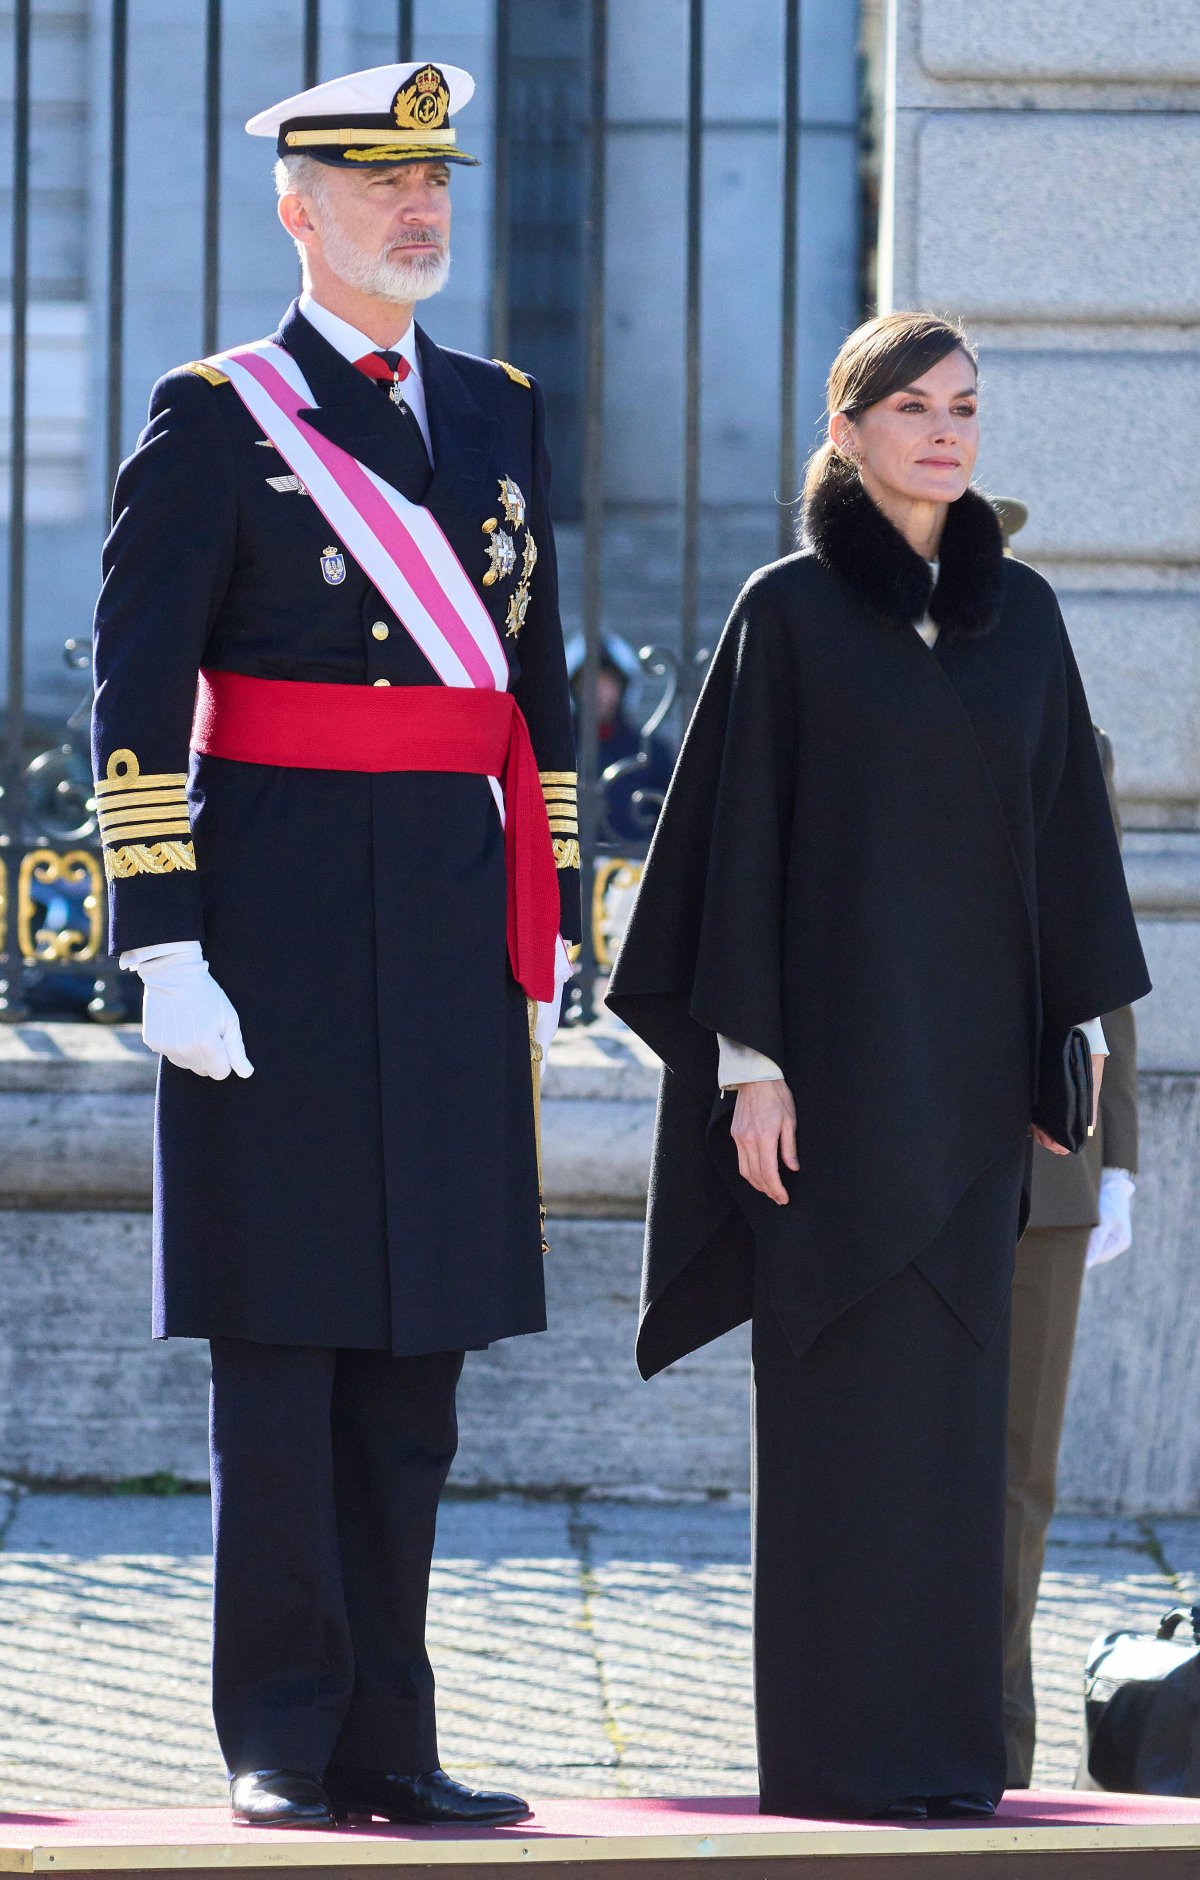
327	1468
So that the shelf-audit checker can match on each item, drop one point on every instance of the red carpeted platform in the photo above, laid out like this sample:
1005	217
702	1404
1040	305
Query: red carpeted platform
1075	1836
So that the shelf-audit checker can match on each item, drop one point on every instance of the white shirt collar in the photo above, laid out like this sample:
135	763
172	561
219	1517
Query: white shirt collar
347	339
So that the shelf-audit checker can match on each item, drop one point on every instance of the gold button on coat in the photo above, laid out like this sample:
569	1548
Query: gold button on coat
383	682
381	629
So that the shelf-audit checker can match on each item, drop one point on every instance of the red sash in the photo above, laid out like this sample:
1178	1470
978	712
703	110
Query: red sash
304	726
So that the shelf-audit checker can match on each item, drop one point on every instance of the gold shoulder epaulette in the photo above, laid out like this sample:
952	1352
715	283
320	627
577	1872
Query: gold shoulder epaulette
514	372
204	371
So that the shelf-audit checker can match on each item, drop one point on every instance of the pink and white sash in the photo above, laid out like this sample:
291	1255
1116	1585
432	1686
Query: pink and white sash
398	544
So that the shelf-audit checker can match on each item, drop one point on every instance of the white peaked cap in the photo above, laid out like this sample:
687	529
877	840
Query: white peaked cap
386	114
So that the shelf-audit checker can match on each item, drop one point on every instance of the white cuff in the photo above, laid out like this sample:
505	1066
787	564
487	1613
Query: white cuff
738	1064
1093	1031
165	950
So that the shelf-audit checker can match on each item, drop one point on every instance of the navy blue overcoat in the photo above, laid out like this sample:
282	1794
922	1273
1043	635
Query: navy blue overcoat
374	1183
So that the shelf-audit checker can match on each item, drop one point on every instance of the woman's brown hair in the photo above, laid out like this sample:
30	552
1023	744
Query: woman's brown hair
877	359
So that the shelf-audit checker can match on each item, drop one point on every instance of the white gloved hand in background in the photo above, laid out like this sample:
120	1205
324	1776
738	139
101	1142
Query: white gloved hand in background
1114	1231
547	1018
186	1017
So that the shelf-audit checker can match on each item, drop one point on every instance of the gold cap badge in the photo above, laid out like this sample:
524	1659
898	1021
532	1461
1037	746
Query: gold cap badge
386	115
424	103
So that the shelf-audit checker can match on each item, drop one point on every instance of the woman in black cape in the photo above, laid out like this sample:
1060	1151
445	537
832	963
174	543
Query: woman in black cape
885	872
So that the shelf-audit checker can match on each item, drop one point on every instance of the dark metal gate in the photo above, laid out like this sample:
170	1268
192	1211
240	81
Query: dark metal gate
51	882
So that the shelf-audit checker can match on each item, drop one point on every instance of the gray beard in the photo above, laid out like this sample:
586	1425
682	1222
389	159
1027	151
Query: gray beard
388	276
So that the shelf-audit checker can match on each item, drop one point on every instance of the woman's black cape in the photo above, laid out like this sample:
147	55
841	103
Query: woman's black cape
880	865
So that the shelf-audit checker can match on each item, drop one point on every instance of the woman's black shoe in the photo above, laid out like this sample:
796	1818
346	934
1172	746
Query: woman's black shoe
908	1808
969	1807
279	1798
431	1799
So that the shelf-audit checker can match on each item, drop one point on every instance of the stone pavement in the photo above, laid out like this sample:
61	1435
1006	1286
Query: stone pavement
581	1646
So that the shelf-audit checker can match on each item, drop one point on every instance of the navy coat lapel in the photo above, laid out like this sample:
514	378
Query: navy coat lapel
462	435
350	410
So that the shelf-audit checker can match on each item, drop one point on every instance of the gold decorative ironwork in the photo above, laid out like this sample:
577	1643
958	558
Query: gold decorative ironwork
75	869
3	905
613	891
149	858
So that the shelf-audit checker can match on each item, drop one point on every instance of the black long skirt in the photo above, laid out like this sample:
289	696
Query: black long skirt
879	1537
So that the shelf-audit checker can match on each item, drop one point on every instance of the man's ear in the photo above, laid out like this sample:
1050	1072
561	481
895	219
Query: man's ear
293	213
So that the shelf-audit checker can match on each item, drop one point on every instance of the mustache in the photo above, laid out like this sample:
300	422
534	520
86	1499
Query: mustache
427	237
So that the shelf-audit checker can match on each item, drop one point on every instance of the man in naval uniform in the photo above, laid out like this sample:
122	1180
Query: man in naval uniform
331	717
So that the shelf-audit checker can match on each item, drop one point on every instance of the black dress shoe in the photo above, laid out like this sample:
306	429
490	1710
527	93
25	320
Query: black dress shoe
279	1798
908	1808
433	1798
973	1806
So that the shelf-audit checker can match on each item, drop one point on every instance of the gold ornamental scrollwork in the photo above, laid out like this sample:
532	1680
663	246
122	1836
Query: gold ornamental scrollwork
613	892
3	905
74	869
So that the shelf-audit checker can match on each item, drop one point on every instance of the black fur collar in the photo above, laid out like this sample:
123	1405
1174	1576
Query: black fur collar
850	536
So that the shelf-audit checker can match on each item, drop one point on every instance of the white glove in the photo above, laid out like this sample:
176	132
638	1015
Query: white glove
547	1018
186	1017
1114	1230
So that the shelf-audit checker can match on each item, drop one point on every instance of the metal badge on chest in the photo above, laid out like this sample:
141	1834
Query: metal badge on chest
502	552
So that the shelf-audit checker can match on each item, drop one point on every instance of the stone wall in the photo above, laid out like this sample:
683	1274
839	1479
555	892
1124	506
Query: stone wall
1042	172
85	1393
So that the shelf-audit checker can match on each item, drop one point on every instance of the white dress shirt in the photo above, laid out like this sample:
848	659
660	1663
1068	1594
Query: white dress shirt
740	1064
352	345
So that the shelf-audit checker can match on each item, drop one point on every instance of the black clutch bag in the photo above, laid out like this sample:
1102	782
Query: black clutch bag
1065	1088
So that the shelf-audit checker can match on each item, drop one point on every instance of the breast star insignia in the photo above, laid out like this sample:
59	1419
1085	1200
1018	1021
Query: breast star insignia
512	502
502	555
518	607
528	559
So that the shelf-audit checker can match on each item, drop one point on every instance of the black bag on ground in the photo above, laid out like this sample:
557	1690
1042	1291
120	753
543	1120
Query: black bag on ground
1065	1088
1141	1698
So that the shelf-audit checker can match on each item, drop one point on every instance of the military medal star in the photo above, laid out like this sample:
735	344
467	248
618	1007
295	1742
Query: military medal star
518	607
512	502
502	556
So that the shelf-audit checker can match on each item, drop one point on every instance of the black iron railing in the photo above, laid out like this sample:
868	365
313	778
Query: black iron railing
51	900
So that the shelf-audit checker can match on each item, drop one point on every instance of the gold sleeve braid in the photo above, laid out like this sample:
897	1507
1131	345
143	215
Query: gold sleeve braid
561	791
143	820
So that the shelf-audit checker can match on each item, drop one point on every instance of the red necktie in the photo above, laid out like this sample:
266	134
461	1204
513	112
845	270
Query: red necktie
384	365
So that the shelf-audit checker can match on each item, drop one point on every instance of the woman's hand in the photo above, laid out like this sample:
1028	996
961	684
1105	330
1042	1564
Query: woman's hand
764	1132
1048	1142
1098	1063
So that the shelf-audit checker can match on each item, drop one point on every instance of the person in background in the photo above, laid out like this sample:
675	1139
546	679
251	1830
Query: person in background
1079	1218
630	764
